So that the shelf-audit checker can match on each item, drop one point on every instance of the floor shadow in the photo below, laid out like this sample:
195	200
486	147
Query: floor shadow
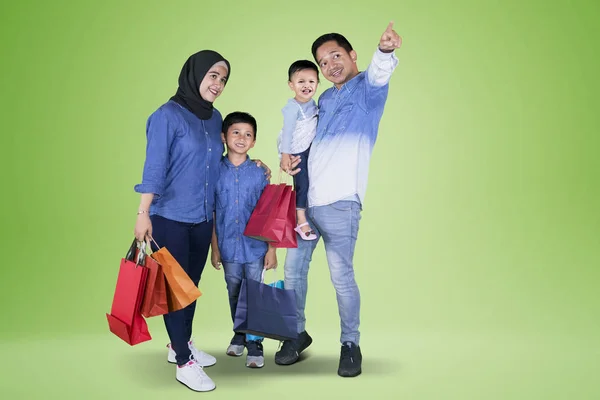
152	369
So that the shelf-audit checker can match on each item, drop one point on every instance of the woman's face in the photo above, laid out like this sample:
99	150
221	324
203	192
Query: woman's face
213	83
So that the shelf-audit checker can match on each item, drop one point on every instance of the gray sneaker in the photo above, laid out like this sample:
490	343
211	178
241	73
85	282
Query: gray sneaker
235	350
255	358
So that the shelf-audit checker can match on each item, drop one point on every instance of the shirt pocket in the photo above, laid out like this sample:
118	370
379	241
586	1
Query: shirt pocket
344	115
252	198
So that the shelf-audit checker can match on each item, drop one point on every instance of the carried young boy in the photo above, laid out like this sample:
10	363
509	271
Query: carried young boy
240	185
299	129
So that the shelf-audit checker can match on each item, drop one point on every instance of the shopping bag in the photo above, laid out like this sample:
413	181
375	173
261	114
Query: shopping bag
125	319
154	302
181	290
278	284
267	221
289	239
266	311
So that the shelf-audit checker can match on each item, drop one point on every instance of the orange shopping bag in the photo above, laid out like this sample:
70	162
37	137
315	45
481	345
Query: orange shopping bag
181	290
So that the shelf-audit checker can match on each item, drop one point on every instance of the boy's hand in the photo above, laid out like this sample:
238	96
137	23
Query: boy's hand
271	258
215	258
286	162
390	40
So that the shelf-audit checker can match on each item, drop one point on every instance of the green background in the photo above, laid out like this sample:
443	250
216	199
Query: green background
478	253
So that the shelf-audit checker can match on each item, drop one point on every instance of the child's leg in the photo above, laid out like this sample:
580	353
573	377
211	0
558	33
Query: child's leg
301	189
234	273
255	357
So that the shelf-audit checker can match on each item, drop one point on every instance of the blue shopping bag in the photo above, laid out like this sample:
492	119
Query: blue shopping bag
266	311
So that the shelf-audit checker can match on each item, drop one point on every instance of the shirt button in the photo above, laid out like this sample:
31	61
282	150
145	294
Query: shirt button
236	221
236	180
236	201
206	183
207	166
209	149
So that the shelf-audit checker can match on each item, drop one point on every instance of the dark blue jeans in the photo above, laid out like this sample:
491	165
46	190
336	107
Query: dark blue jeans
301	180
189	244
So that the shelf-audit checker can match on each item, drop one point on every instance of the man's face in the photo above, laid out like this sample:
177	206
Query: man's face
337	65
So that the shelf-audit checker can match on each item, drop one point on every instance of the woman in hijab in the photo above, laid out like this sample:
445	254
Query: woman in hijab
180	172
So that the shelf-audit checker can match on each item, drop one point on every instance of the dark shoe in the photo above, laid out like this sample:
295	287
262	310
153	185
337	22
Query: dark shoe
350	360
291	349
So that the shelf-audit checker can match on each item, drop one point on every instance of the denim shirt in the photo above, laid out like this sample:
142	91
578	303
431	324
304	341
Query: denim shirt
238	191
182	159
338	165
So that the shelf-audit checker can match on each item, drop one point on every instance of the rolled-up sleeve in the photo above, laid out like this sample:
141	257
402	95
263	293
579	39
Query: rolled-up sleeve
381	68
159	135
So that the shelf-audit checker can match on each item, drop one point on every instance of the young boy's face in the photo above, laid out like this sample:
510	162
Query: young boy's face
304	83
239	138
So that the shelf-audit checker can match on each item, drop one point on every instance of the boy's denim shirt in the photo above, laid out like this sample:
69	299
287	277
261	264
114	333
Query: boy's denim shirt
237	193
182	161
338	165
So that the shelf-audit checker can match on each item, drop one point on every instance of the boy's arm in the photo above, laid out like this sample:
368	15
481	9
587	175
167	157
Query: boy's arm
290	116
271	258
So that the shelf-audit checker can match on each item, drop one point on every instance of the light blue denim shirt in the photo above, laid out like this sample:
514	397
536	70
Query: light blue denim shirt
238	190
338	165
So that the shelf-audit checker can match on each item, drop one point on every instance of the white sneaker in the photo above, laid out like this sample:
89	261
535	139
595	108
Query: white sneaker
193	376
204	359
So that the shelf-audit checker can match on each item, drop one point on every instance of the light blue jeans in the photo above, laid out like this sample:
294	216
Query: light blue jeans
337	224
234	274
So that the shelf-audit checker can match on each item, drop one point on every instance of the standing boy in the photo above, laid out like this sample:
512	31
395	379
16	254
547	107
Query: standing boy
238	189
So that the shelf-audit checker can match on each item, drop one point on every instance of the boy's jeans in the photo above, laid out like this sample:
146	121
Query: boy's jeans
234	274
337	224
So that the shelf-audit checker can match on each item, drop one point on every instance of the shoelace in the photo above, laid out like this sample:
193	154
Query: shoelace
197	367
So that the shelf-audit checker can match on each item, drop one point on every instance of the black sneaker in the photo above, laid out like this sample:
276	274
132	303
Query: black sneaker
350	360
254	358
291	349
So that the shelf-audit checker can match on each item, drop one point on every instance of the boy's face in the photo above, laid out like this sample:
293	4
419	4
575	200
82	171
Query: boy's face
337	65
304	83
239	138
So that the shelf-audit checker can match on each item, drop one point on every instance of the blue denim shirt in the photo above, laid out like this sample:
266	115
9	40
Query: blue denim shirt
340	154
237	193
182	159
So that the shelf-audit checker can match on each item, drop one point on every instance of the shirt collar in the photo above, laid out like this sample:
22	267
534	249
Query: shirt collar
350	85
242	165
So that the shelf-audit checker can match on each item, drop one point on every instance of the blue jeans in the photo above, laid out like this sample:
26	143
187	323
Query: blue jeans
234	274
301	180
337	224
188	243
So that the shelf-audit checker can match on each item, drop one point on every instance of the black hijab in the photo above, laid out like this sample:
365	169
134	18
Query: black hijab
192	74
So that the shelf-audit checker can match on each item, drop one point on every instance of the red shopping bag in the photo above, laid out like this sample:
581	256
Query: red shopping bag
125	319
289	239
267	222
